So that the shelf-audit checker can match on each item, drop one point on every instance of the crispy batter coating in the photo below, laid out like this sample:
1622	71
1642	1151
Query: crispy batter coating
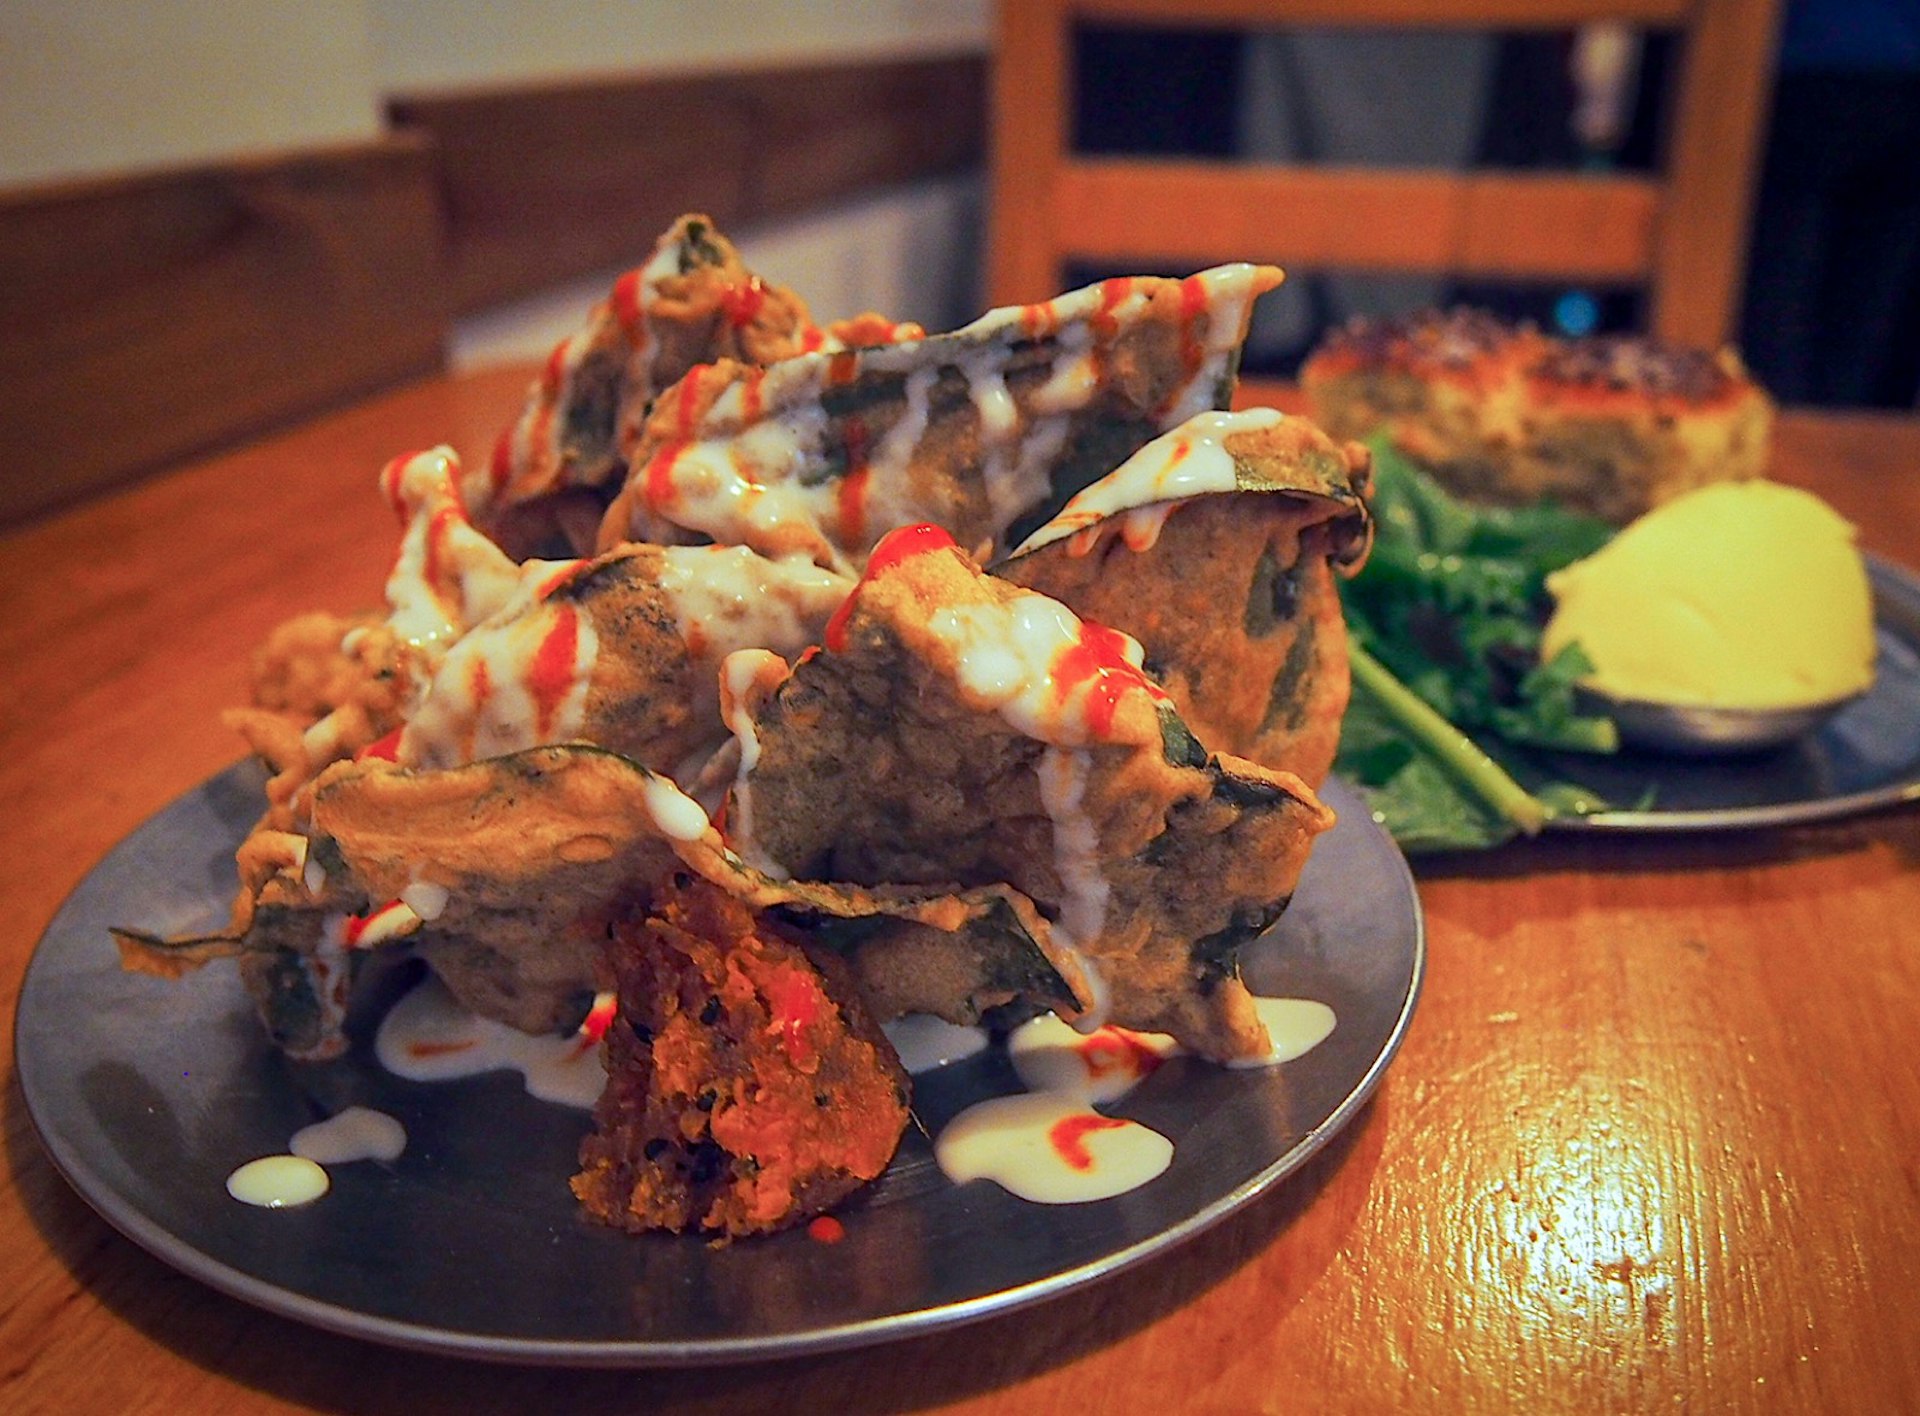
878	762
984	430
1270	682
692	302
747	1088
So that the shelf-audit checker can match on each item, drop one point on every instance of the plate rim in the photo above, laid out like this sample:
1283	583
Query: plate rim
122	1214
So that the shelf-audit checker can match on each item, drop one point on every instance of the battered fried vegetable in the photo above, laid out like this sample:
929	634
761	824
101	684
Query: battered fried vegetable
984	431
693	301
1249	510
747	1088
961	729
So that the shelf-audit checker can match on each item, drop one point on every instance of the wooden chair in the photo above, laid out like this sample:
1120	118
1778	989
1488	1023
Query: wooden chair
1681	232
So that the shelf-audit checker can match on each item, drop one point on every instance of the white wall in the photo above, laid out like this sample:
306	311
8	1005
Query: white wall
97	86
108	86
425	45
100	86
912	254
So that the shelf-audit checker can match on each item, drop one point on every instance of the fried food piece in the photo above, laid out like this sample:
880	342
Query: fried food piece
693	301
747	1088
622	650
505	874
985	431
1499	412
302	668
961	729
1247	509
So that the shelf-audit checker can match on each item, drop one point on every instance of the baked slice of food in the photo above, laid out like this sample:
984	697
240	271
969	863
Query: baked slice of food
747	1088
1499	412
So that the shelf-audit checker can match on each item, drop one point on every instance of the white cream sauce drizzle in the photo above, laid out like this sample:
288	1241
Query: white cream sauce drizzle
1295	1027
1005	655
728	597
278	1182
1051	1145
740	483
1050	1149
925	1042
428	1037
1076	862
1004	659
447	576
486	698
1190	461
300	1177
357	1133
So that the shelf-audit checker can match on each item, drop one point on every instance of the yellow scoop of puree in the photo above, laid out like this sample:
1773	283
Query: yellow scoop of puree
1738	595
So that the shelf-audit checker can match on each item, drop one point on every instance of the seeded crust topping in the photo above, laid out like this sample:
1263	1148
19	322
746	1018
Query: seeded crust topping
1448	339
1626	364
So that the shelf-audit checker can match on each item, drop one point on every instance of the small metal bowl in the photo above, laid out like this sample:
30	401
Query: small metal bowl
1691	730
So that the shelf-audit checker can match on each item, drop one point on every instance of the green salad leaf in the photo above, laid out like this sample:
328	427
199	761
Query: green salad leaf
1446	620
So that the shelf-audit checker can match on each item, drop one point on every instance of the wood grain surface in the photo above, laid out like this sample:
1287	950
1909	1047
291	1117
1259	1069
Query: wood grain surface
544	181
150	317
1653	1142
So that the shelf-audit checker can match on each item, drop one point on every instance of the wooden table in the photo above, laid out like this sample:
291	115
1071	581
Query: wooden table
1653	1142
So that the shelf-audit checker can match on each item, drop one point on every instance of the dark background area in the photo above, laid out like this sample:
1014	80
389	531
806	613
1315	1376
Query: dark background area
1831	312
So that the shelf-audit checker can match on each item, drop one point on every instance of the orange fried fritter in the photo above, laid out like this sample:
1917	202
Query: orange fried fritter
746	1088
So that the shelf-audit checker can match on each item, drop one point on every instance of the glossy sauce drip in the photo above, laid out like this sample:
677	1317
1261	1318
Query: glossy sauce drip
895	548
1052	675
517	681
1295	1026
300	1177
447	576
428	1037
1050	1149
278	1182
741	675
1051	1145
1063	776
1190	461
357	1133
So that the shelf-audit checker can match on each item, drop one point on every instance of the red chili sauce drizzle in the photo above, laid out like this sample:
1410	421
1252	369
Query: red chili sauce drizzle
825	1229
500	466
1098	659
659	484
594	1026
794	1003
898	545
550	676
358	925
480	690
1113	1050
1105	323
853	485
1193	306
752	402
1068	1137
743	302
